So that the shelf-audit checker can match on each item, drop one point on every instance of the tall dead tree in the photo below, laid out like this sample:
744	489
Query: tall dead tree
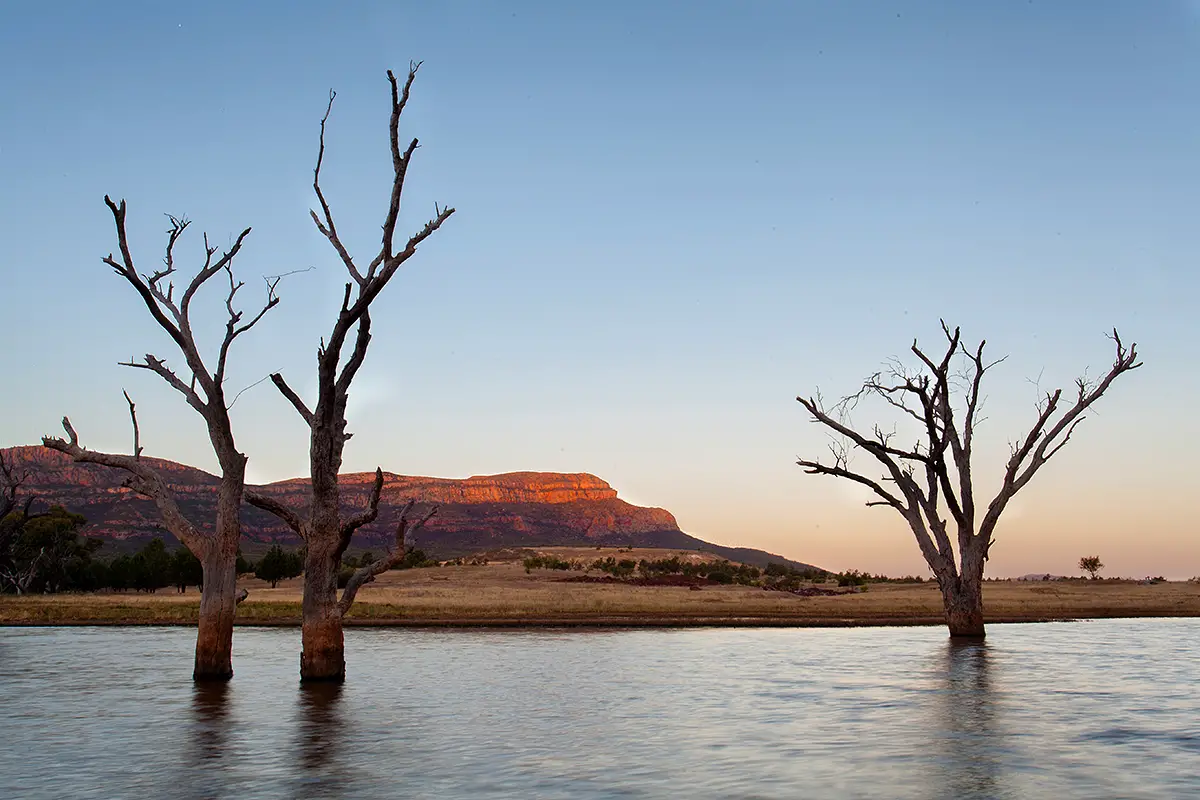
933	478
326	535
215	545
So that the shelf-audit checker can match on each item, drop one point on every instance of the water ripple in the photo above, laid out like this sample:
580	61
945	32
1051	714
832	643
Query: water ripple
1100	709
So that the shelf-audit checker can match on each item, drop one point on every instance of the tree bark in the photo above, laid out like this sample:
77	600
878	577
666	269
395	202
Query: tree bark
323	648
218	601
218	597
963	603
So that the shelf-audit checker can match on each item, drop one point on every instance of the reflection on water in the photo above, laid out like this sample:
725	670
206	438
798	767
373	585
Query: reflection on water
322	732
1102	709
970	743
210	718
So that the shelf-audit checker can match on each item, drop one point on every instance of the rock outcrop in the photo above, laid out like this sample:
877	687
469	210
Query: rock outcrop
477	513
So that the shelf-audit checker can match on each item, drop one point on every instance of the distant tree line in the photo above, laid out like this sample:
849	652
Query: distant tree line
44	553
774	575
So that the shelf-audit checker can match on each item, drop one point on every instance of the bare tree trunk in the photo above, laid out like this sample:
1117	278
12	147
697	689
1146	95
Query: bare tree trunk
218	602
323	647
218	597
964	610
962	599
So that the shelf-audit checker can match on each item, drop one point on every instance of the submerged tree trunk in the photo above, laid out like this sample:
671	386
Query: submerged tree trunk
218	602
323	649
962	590
963	603
218	597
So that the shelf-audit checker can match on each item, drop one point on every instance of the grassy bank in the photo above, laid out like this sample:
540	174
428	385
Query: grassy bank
503	594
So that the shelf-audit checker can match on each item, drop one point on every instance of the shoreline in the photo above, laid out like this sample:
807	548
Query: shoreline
606	622
505	596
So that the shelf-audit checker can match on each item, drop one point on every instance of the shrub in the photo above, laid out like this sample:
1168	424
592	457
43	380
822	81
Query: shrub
279	565
852	578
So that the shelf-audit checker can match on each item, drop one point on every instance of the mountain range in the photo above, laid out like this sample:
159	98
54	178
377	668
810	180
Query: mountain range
484	512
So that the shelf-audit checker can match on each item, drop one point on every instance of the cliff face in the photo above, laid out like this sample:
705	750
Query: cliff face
519	508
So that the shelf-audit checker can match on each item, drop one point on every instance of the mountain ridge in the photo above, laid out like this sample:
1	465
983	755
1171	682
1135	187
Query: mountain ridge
482	512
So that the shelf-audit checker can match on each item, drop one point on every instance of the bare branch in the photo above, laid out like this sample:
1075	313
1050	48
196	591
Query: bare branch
358	356
838	471
273	506
157	366
137	447
292	397
127	271
1049	443
365	575
149	481
232	331
327	228
368	516
399	164
241	392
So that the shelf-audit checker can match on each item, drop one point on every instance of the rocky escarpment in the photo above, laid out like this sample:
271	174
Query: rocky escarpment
518	507
482	512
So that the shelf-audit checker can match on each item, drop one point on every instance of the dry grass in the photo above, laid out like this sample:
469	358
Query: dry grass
503	594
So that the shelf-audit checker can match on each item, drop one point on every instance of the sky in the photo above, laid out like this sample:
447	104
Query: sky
672	219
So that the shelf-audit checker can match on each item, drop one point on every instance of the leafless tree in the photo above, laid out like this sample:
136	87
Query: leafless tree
216	545
10	488
14	513
325	533
933	477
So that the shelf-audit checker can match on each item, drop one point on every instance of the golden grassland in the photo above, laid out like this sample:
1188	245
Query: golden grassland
503	594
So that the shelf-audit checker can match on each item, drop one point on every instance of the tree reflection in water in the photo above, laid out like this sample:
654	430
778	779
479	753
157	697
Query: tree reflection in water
970	747
206	756
210	716
321	737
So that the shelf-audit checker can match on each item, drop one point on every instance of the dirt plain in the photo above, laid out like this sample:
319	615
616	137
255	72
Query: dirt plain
502	594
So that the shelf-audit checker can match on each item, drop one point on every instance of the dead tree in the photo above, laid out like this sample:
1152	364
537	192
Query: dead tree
10	489
326	535
933	478
14	513
215	545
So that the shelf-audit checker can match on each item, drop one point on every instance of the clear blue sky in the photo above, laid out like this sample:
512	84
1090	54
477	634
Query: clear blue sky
672	218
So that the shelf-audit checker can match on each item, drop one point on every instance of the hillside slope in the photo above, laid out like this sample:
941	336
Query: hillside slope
482	512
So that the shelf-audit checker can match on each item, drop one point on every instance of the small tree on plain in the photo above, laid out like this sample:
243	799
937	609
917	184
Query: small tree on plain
1091	565
931	483
186	570
272	566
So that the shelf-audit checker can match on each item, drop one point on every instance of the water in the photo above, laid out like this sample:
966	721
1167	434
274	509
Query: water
1095	709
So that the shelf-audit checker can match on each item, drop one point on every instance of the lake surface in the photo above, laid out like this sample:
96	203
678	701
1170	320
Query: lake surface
1088	709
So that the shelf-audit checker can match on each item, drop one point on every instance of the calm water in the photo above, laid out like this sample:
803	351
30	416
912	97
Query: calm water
1095	709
